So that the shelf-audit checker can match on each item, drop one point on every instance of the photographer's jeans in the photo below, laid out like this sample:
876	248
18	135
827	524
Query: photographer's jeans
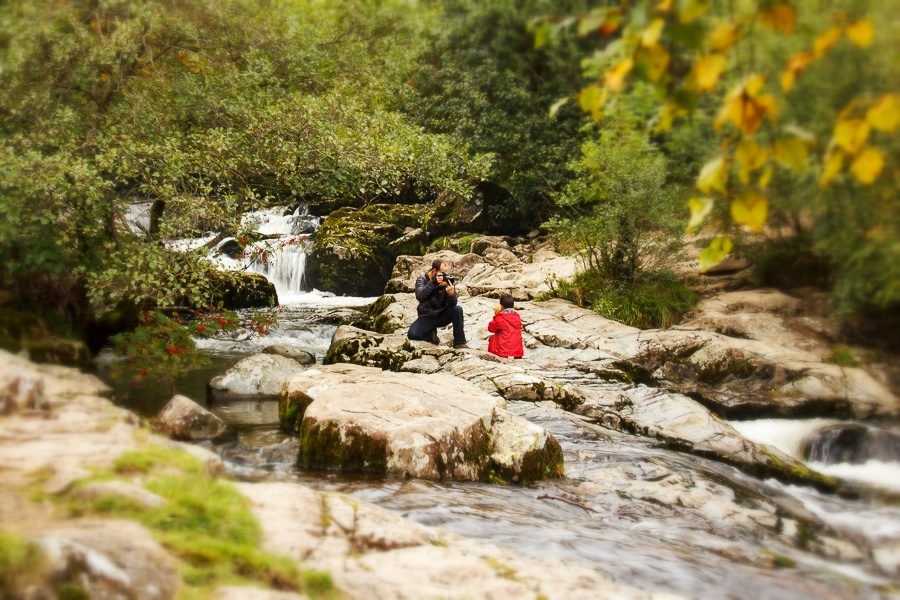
423	326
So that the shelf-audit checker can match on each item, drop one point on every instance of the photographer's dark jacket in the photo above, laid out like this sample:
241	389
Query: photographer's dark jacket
433	298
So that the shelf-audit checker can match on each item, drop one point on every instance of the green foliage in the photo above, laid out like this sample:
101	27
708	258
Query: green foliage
795	105
207	108
655	300
481	80
206	523
622	217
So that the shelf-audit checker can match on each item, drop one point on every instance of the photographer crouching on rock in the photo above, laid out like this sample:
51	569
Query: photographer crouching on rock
437	306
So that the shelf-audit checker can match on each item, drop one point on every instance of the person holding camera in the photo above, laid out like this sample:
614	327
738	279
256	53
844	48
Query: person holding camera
438	306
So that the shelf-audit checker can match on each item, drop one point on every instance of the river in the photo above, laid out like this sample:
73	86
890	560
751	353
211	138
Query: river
605	514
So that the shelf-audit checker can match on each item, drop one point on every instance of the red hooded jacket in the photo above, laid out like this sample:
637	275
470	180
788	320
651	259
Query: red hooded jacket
507	339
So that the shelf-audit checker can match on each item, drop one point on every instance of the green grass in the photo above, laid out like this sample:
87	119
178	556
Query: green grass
655	300
842	356
207	523
19	564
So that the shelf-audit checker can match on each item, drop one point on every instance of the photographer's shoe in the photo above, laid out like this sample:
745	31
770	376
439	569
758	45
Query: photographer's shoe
434	337
459	346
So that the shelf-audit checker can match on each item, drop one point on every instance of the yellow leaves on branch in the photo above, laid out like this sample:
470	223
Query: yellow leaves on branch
861	33
651	34
780	18
615	77
723	37
713	176
850	138
667	115
707	71
750	156
884	114
834	162
692	10
851	134
796	65
867	166
715	252
655	58
745	107
824	42
700	209
750	210
591	99
791	152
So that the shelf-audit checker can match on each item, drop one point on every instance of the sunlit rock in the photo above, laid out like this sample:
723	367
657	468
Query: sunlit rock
184	419
257	376
425	426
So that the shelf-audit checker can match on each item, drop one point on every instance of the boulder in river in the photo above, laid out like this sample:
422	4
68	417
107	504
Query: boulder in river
433	426
257	376
184	419
301	356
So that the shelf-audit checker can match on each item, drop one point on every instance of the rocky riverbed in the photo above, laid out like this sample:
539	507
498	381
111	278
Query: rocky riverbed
411	455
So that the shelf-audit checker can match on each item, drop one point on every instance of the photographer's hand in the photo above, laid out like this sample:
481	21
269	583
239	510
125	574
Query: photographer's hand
450	289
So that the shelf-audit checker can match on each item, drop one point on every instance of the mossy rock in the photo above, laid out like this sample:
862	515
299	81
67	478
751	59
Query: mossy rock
238	289
22	332
355	249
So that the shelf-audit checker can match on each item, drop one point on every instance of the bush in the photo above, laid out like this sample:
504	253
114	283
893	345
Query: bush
655	300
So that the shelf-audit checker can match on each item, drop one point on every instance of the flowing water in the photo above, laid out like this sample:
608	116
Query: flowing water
611	512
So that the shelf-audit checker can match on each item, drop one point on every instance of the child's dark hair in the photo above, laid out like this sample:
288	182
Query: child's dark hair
506	301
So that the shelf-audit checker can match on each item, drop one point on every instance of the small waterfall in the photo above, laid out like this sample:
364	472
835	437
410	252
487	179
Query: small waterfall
282	261
852	443
844	449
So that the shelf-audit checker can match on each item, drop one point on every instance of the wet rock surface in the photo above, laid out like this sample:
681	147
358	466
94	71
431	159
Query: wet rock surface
184	419
257	376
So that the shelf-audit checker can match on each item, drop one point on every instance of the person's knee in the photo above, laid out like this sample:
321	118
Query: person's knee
458	310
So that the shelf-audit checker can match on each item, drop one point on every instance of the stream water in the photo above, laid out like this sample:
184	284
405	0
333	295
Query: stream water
605	514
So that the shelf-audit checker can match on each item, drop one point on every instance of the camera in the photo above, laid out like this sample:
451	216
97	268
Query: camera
448	278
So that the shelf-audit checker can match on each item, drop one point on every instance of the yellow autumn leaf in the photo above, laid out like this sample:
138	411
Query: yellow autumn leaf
791	152
834	162
753	84
780	18
724	37
745	107
884	115
700	209
656	58
867	166
592	99
650	36
713	176
751	211
612	22
764	178
667	115
861	33
707	71
796	65
715	252
750	156
692	9
664	6
824	42
615	77
851	134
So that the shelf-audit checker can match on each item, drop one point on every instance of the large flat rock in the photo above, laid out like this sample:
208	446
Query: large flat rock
431	426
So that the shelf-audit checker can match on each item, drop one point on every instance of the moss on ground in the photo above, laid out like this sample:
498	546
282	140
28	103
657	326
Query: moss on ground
206	523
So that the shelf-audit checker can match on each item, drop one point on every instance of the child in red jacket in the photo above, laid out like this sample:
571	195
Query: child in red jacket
507	329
